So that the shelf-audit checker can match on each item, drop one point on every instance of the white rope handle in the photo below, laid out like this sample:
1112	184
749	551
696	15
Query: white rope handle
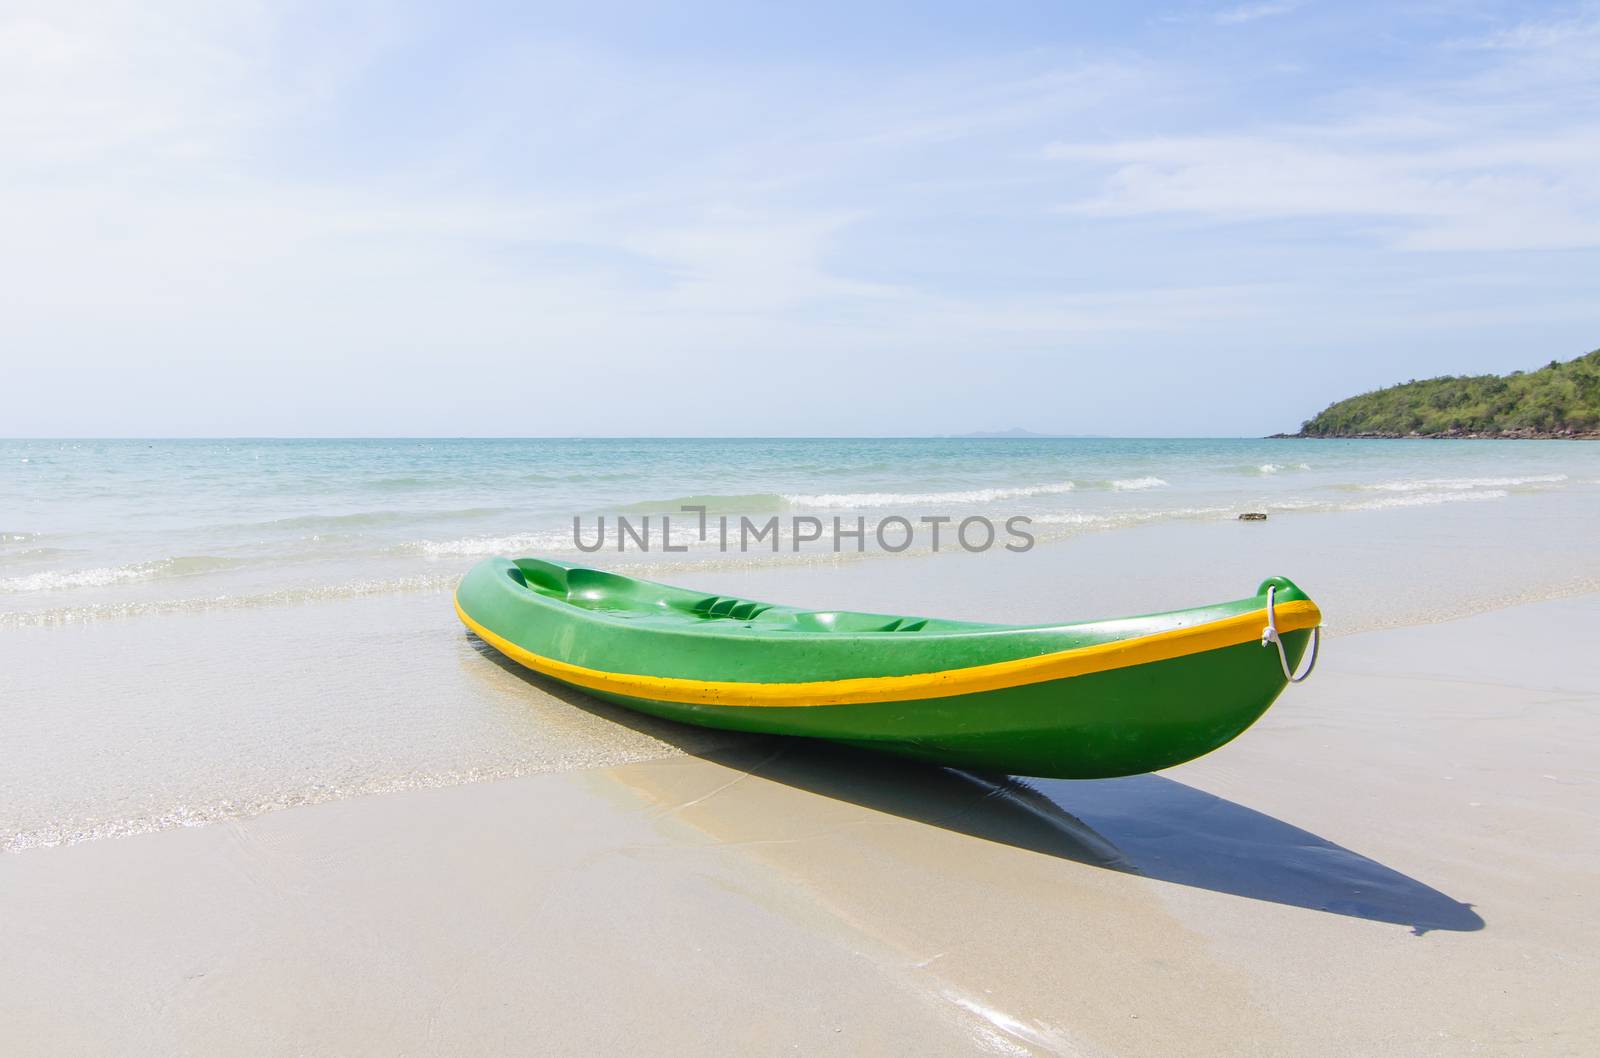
1269	637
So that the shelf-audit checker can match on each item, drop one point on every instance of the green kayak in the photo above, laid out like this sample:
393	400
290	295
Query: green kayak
1082	701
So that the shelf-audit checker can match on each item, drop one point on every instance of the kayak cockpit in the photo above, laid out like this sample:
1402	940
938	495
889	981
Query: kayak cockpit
599	591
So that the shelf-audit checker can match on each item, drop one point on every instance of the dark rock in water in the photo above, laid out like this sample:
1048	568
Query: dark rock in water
1252	516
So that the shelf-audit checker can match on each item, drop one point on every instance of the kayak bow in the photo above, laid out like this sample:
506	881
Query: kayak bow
1069	701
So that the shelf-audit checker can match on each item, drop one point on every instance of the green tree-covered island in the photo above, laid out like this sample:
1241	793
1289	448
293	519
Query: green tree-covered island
1557	400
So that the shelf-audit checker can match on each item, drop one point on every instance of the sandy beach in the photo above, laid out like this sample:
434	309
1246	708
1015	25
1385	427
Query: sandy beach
1023	389
262	794
1399	859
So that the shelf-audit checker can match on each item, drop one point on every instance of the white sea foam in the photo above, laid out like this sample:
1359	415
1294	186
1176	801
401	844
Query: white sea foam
1406	499
516	543
1437	484
104	576
1126	519
1137	484
1429	499
53	579
1072	518
902	499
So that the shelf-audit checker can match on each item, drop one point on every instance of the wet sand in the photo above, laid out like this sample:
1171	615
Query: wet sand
124	725
1399	859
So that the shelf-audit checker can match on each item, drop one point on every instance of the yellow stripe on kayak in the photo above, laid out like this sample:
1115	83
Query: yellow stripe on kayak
1078	661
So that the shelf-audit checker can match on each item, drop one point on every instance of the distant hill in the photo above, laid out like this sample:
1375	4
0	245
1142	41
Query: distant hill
1557	400
1015	432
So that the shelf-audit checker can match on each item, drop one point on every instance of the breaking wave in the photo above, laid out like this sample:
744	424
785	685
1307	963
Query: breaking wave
485	546
368	519
752	503
899	499
1437	484
1408	499
1428	499
104	576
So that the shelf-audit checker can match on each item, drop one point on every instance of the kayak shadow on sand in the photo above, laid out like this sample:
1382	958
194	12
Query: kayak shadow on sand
1147	825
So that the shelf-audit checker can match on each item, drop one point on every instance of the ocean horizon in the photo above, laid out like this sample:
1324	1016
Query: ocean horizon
98	528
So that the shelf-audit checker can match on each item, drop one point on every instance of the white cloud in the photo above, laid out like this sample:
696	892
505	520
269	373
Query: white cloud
1500	160
149	176
123	83
221	199
1537	35
1508	193
1233	16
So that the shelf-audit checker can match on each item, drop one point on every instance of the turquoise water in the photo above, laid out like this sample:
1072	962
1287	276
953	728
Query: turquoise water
93	529
193	631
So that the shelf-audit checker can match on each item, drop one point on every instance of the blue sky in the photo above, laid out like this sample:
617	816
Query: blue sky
511	218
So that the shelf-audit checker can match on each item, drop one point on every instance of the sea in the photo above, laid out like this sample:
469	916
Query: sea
194	630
